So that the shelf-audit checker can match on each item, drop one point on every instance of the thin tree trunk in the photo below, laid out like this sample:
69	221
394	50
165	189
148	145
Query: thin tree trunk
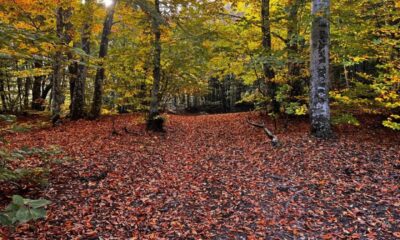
46	91
19	94
36	89
2	93
73	75
100	74
27	88
346	76
319	92
269	73
155	123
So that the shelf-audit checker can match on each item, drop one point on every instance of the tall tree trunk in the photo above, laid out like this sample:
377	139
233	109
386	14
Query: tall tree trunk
73	75
319	92
154	122
293	47
269	73
73	67
36	89
46	91
27	88
57	97
2	93
78	103
100	74
20	94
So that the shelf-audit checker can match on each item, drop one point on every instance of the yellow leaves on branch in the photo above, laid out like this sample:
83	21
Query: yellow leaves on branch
35	72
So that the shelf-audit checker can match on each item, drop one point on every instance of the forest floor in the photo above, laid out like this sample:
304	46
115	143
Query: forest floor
215	177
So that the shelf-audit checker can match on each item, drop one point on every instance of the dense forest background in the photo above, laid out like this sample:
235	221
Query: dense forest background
83	58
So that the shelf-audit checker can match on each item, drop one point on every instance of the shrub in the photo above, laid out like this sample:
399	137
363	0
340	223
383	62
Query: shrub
22	210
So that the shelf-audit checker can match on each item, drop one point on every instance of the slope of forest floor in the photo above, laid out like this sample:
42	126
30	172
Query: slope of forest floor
215	177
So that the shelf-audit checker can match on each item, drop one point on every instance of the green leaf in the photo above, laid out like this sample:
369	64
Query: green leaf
18	200
39	203
12	208
38	213
4	220
23	215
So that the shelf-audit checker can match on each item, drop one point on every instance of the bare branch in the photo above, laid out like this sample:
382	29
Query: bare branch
271	136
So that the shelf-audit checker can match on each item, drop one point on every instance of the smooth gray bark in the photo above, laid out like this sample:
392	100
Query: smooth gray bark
319	92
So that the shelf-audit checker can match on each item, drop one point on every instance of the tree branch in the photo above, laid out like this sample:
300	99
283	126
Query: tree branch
271	136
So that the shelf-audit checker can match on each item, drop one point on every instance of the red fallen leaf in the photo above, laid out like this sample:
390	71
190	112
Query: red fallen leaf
213	179
252	237
355	236
90	234
327	236
371	235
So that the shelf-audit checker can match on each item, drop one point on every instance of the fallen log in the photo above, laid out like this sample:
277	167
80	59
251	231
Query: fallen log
271	136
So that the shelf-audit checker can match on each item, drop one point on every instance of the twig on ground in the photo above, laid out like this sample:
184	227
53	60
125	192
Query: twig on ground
274	139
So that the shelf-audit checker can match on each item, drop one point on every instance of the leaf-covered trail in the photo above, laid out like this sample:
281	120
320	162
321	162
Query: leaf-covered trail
216	177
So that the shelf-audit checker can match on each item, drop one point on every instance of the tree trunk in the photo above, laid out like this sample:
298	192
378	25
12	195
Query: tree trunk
100	74
78	103
293	47
36	89
346	76
319	92
20	94
57	98
154	122
73	67
2	94
27	88
73	75
269	73
78	99
46	91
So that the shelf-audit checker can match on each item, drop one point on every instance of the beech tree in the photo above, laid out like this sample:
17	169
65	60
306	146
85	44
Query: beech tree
78	99
268	71
155	122
57	95
319	92
294	46
100	73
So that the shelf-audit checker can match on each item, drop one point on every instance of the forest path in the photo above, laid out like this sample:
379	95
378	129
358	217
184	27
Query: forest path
216	177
